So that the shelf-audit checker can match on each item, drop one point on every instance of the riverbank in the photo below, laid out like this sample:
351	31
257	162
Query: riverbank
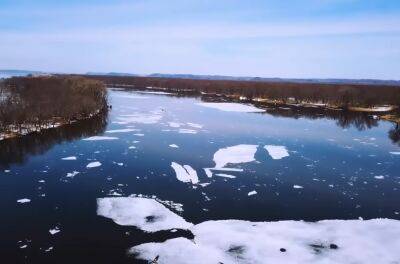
385	112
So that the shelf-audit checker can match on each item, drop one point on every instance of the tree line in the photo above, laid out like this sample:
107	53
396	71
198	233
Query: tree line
339	95
32	103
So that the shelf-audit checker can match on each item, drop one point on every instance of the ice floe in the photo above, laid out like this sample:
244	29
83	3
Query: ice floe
277	152
298	187
187	131
174	124
236	241
72	174
54	231
395	152
252	193
143	118
97	138
69	158
194	125
93	164
124	130
225	175
185	173
24	200
144	213
233	107
232	155
174	146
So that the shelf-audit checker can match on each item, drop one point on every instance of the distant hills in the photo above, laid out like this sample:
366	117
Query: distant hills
9	73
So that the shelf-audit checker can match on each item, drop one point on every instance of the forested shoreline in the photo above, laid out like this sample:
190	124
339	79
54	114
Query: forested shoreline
31	104
334	95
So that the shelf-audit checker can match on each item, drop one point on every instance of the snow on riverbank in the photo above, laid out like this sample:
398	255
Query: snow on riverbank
233	107
144	213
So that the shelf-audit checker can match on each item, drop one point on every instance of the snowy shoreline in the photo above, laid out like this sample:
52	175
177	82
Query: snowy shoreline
32	129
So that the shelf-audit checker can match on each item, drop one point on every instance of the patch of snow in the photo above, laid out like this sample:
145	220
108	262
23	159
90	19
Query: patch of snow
144	213
236	241
233	107
185	173
277	152
97	138
93	164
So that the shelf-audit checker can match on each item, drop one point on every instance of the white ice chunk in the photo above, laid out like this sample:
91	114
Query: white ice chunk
225	175
187	131
277	152
234	155
143	118
24	200
233	107
185	173
72	174
69	158
144	213
251	193
93	164
395	152
54	231
125	130
174	146
174	124
298	187
194	125
379	177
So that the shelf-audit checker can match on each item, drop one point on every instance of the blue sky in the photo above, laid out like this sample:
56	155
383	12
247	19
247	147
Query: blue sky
268	38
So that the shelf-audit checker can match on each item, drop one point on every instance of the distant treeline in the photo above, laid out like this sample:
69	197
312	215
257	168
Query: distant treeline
32	103
340	95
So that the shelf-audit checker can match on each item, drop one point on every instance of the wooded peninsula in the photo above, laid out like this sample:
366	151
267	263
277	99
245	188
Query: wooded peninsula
30	104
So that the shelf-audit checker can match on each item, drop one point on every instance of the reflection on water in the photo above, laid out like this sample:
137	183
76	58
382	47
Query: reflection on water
17	150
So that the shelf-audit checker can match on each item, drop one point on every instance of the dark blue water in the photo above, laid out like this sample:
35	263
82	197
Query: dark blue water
346	165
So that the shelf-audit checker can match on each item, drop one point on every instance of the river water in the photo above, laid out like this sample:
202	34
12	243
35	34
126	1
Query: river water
241	163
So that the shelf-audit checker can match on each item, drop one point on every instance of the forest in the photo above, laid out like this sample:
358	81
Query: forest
337	95
29	104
